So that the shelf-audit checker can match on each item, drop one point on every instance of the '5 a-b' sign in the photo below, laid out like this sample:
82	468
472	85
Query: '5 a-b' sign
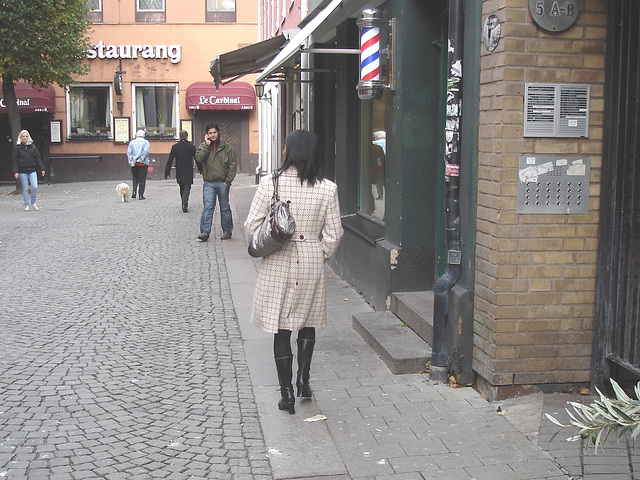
555	15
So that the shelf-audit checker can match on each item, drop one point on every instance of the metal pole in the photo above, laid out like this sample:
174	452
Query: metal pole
440	357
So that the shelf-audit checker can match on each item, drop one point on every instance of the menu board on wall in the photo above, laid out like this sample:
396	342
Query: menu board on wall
121	129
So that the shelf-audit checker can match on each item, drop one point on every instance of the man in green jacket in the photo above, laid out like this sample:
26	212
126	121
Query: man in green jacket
218	164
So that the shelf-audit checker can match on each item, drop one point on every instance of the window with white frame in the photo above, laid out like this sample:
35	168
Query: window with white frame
89	112
150	5
95	10
150	11
155	110
221	11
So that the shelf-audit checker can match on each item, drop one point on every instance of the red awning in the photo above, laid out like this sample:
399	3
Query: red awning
234	96
31	99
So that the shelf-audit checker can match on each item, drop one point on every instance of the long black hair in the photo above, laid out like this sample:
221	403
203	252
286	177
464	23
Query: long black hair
302	153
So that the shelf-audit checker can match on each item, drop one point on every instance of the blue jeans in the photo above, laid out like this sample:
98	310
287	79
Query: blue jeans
25	180
211	190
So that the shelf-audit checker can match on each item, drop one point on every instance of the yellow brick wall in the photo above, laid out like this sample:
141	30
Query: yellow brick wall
535	274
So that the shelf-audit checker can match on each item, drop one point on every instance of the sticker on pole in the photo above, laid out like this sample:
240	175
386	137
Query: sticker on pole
452	170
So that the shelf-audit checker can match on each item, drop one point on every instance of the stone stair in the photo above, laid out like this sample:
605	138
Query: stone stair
401	336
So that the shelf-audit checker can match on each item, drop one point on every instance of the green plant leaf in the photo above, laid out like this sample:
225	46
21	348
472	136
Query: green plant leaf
557	422
595	423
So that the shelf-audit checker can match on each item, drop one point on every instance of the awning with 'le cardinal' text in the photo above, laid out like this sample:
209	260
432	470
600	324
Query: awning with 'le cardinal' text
32	99
235	96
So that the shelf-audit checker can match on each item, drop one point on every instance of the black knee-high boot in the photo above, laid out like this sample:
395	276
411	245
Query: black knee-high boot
284	368
305	352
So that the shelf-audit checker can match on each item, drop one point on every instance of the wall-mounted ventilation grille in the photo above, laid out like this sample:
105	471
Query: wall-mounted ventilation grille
556	110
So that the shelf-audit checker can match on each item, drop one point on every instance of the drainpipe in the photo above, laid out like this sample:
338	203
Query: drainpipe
440	357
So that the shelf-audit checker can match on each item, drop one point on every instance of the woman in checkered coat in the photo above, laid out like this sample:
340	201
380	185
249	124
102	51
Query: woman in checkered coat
290	291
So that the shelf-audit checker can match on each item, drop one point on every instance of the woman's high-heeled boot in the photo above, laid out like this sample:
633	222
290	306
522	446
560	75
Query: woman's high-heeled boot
305	352
284	368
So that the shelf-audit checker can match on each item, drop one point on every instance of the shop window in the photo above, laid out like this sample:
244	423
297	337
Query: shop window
373	145
95	11
155	110
374	159
221	11
89	113
150	11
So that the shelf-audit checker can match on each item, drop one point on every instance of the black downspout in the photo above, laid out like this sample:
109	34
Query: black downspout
440	358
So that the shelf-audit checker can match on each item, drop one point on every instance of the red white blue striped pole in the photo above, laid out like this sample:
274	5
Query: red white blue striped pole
370	87
370	54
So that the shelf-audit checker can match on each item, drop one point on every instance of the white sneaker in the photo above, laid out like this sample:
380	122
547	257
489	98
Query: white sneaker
35	207
26	208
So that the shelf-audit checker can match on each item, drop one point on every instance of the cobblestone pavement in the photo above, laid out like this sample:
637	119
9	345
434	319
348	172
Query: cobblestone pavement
126	352
121	357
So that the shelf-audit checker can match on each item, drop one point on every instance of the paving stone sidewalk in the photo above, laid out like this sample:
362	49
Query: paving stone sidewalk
385	426
126	352
121	354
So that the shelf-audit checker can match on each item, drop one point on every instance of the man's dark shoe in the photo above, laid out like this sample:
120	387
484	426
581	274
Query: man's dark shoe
133	195
225	236
141	197
203	237
185	209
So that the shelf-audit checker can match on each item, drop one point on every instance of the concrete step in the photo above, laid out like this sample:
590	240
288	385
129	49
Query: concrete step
397	345
416	310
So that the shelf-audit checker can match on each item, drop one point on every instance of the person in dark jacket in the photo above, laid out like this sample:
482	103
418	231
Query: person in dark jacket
26	165
218	161
184	153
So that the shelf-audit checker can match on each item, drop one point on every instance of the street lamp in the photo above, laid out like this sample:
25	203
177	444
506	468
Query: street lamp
260	92
120	105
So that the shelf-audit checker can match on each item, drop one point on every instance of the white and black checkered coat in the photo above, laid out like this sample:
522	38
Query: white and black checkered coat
290	291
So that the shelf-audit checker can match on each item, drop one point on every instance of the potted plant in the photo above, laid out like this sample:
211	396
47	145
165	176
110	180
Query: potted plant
162	120
75	123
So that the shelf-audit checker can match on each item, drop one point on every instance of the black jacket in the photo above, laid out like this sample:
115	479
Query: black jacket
184	153
26	159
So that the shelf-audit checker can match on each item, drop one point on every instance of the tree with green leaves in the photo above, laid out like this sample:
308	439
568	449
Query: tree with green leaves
43	42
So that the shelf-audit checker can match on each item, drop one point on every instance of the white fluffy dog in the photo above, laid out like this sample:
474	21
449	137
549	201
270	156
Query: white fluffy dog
124	192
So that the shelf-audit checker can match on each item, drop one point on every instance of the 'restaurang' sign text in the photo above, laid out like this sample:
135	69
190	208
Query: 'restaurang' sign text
172	52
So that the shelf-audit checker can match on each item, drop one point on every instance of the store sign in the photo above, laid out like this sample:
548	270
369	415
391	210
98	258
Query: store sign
171	52
210	100
30	99
22	102
235	96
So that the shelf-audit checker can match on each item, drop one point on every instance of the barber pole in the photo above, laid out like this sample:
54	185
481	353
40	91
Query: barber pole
370	87
370	54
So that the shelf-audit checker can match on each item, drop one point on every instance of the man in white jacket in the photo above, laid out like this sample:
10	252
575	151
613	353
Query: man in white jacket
138	157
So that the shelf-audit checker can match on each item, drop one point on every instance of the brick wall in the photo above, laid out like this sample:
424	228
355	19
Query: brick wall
535	274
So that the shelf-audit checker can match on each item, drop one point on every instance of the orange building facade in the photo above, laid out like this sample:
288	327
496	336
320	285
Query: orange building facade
149	70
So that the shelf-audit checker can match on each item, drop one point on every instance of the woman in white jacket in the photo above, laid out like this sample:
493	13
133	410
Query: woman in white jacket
290	291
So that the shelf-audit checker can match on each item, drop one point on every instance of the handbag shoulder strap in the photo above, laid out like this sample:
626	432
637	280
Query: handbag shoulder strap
275	197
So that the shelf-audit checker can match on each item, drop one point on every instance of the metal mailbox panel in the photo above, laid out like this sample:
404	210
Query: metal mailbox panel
553	184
